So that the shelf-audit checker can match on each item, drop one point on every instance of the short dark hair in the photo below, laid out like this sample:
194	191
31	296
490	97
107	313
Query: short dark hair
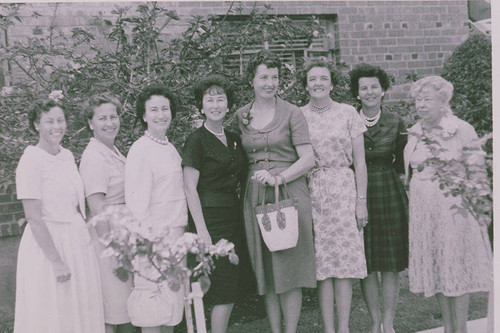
264	57
39	106
145	95
367	70
96	101
310	63
213	81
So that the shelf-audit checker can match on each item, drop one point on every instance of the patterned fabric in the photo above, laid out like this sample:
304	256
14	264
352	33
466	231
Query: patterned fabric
449	253
338	242
273	148
386	235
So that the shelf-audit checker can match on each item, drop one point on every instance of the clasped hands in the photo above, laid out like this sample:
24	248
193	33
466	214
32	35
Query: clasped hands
264	177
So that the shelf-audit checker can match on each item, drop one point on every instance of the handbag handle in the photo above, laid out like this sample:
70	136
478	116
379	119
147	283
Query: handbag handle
276	190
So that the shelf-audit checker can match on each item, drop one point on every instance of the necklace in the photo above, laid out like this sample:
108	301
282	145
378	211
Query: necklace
160	141
370	122
321	109
214	133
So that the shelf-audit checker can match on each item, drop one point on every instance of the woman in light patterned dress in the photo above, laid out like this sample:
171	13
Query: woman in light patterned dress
338	194
450	254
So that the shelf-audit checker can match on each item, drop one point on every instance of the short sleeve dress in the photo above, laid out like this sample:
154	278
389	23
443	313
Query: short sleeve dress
154	192
43	304
272	148
386	235
221	170
449	253
103	171
337	240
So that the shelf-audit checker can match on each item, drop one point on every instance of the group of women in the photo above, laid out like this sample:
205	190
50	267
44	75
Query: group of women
342	165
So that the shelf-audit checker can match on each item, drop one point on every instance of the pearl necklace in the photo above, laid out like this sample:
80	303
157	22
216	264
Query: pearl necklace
321	109
160	141
370	122
214	133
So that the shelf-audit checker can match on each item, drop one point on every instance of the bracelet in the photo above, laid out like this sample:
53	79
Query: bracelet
360	197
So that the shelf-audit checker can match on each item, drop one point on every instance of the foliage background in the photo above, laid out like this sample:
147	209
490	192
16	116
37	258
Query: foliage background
132	52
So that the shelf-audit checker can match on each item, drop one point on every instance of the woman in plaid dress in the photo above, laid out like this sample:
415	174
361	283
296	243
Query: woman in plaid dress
386	235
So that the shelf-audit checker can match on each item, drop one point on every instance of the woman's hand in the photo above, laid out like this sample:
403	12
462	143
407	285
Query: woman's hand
361	213
61	271
205	236
264	177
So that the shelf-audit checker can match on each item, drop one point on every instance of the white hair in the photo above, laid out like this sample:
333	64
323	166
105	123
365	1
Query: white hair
443	88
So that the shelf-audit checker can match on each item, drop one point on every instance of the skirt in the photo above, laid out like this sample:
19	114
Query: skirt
44	305
386	234
280	271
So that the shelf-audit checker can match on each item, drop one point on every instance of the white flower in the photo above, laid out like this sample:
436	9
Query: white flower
56	95
315	33
6	91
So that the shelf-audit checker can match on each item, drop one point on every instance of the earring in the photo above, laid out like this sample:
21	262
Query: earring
359	98
383	93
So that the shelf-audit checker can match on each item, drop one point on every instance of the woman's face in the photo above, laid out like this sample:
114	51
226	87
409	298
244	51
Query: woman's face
157	115
370	92
319	82
429	105
52	126
105	123
266	82
214	104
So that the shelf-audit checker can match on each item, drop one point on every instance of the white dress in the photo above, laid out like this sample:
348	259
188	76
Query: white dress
103	171
42	304
449	253
154	192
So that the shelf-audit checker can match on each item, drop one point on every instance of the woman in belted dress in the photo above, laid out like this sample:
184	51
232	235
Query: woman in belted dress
275	138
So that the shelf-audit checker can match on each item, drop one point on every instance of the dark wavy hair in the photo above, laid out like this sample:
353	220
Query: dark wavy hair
263	57
213	84
145	95
310	63
39	106
96	101
367	70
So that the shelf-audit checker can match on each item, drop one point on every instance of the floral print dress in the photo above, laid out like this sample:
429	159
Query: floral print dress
338	242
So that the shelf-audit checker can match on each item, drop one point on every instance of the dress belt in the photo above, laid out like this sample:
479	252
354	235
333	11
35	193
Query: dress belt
268	164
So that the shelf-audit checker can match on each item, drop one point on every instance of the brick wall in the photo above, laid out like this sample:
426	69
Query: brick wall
403	37
11	211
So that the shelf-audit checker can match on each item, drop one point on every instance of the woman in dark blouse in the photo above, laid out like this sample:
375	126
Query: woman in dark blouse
386	234
214	164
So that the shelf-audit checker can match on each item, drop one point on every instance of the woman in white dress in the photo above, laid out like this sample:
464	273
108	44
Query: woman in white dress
154	192
338	193
449	252
58	287
102	169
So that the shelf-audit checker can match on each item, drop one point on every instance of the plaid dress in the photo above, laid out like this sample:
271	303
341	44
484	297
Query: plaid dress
386	235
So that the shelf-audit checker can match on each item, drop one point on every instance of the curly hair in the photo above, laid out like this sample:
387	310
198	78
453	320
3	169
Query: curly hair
96	101
443	88
310	63
367	70
146	94
263	57
39	106
213	84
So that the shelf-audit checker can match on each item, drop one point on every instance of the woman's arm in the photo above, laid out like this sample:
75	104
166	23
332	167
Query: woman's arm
96	205
33	213
296	170
191	177
138	183
358	152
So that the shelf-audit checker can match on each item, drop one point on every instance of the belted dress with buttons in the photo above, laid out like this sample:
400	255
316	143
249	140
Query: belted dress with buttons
273	148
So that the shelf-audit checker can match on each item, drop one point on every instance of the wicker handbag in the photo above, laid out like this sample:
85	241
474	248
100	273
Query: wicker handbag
278	221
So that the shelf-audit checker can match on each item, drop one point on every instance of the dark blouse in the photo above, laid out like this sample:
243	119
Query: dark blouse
221	168
384	142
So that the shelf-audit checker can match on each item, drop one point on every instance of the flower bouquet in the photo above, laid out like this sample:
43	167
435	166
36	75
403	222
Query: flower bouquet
152	254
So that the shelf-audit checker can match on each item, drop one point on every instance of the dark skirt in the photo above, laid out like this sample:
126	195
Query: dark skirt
228	282
386	235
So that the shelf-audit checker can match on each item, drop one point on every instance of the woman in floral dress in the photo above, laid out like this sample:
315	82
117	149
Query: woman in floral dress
338	194
450	254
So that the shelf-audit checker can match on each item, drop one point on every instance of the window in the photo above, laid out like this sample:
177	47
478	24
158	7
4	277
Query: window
291	53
